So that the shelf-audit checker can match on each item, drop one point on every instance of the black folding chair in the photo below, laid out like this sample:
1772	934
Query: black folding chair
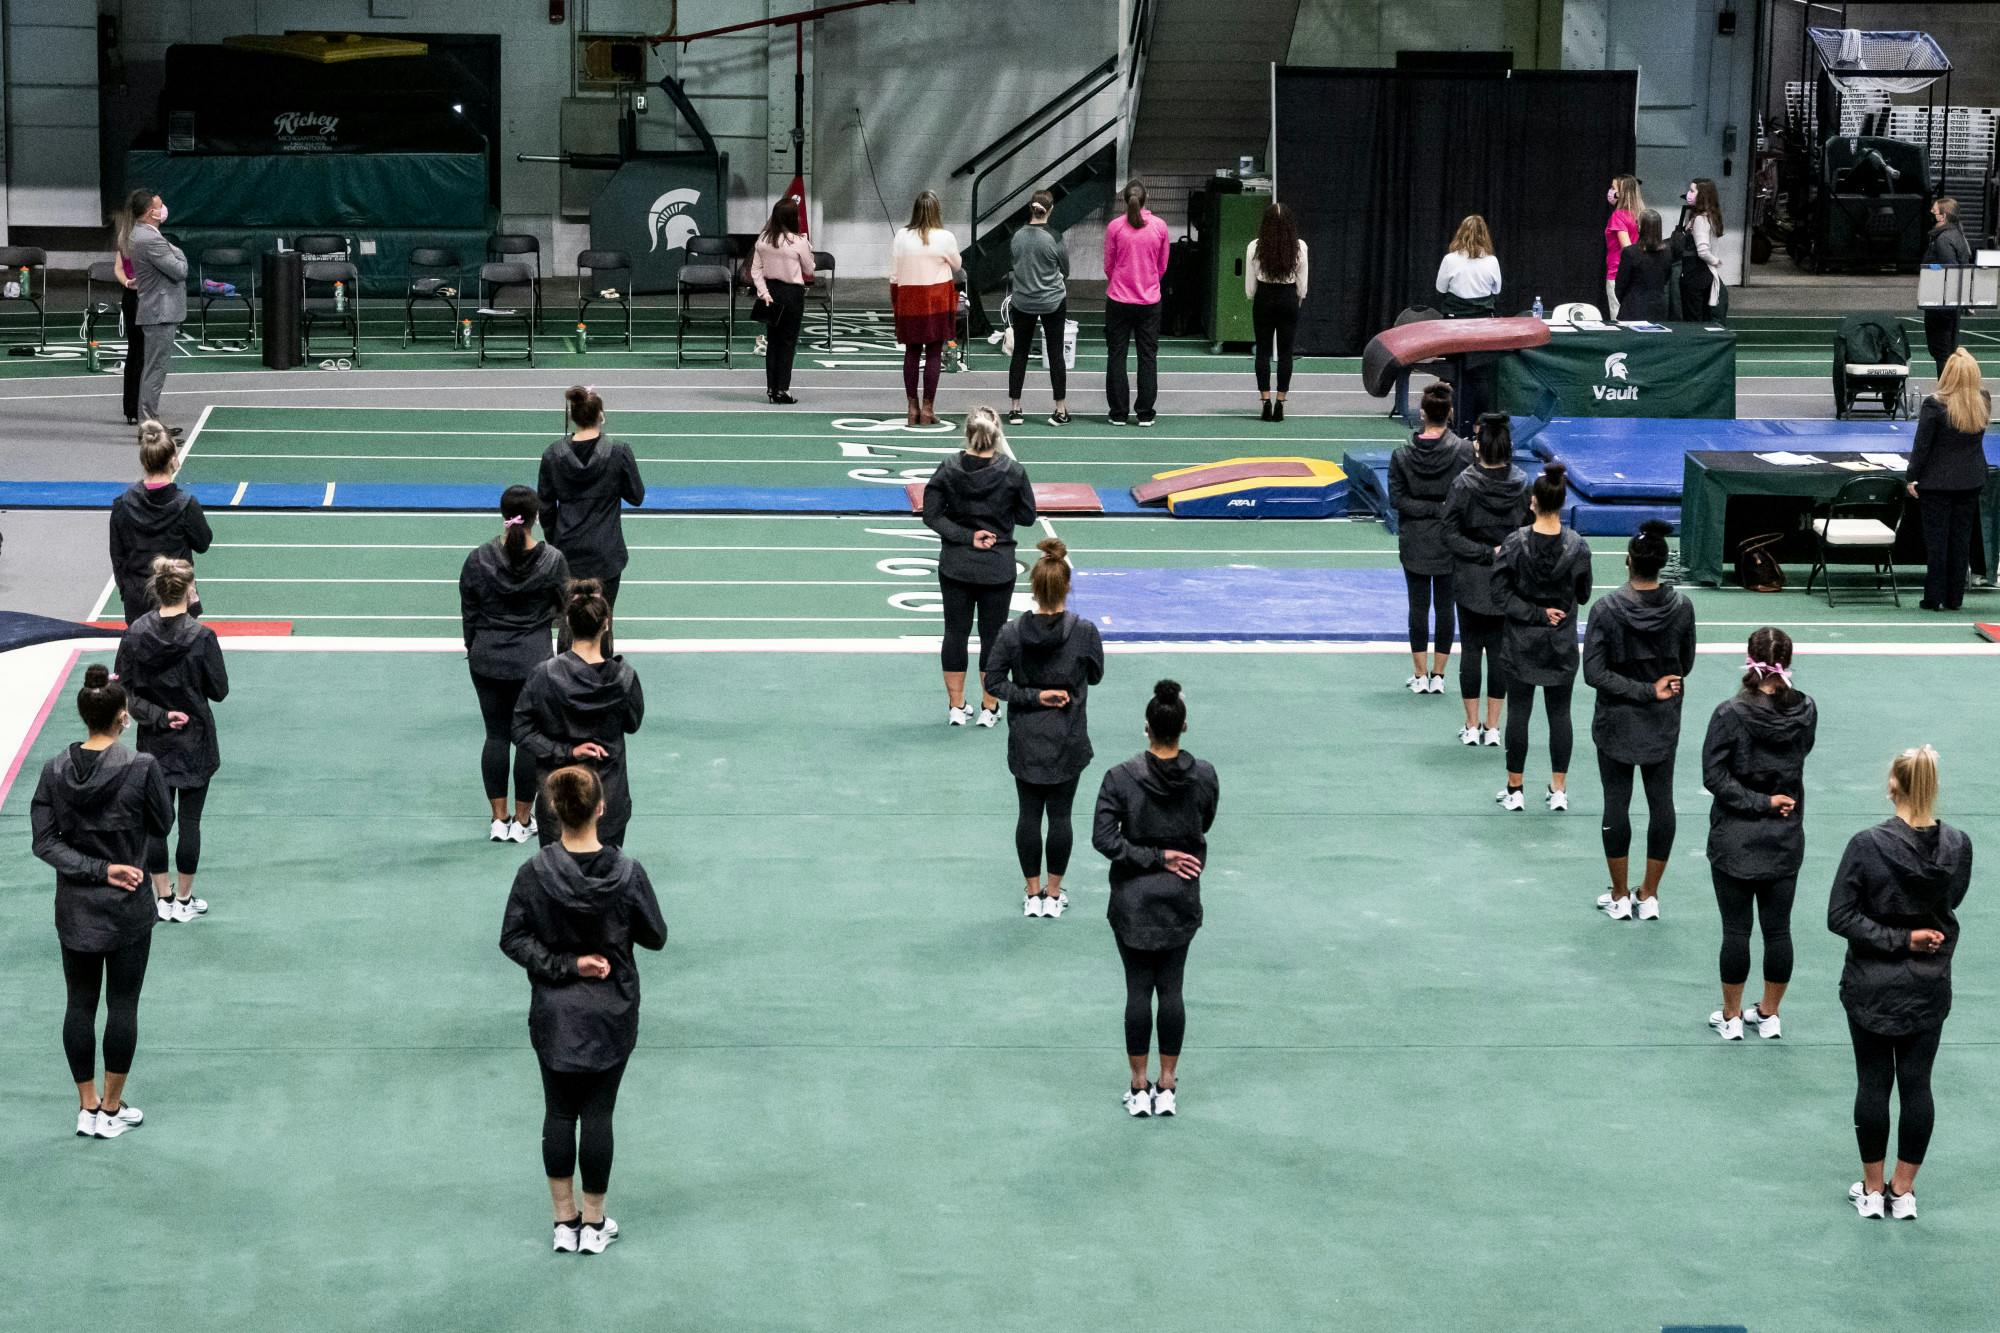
434	278
495	279
235	272
706	272
510	247
1858	526
604	277
25	278
332	295
820	292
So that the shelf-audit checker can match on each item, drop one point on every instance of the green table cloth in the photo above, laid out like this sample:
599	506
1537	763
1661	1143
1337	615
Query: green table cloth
1687	371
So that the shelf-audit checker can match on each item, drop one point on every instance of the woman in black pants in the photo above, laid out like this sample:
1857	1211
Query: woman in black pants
781	265
1753	762
1486	502
1153	816
1541	577
1274	278
1043	666
511	592
1420	477
1946	474
1895	900
583	480
1946	245
171	667
973	503
577	708
1038	295
1636	652
575	913
95	806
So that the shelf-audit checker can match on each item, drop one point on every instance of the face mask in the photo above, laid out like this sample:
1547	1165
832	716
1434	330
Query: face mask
1611	195
163	212
1689	196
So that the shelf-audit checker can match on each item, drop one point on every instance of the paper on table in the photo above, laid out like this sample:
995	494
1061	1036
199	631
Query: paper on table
1894	462
1859	465
1786	458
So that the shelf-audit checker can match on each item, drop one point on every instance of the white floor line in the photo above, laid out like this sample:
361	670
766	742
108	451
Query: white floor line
670	461
236	497
821	437
30	680
318	580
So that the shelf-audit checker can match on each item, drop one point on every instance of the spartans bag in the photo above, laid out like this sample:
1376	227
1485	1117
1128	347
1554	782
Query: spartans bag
1756	568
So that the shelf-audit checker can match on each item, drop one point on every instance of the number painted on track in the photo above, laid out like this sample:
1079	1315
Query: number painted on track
883	476
908	566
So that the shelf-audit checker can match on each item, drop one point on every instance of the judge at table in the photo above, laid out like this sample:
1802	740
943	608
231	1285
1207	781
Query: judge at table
1947	472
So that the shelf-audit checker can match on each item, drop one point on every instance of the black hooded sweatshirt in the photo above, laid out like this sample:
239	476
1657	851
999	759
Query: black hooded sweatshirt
145	523
1534	572
968	495
94	809
508	612
1482	507
174	664
1041	652
568	701
1420	477
1755	749
1894	879
1633	639
564	905
1145	806
581	485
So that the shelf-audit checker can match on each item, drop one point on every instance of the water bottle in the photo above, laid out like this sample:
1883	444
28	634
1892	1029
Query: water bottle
1538	307
465	333
339	298
27	286
583	337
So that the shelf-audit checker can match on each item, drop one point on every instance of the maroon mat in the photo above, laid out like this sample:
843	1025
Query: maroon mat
1157	490
1389	351
1051	497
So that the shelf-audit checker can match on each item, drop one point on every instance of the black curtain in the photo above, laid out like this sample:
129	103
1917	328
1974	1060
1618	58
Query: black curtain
1380	166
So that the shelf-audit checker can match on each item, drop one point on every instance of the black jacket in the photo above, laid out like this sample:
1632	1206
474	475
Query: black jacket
1642	283
562	907
1036	653
1532	573
508	613
1947	245
1420	476
581	487
1755	749
1633	639
1894	879
1145	806
1945	458
1482	507
993	496
174	664
567	701
93	810
144	523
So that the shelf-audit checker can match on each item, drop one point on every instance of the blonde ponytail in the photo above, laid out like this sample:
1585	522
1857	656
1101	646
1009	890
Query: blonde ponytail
1914	775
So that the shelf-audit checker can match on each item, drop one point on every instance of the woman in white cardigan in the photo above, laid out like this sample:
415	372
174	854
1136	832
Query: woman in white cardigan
1274	278
924	264
1469	276
1701	271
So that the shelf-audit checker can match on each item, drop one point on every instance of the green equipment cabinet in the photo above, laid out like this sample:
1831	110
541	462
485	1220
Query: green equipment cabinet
1228	223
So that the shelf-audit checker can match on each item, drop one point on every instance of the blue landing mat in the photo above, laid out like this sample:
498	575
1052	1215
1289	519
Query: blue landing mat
1143	605
1612	460
19	629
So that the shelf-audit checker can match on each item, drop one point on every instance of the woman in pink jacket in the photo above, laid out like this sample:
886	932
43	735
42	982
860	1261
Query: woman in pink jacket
1135	258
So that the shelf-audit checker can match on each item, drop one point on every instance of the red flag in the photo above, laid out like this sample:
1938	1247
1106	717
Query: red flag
797	190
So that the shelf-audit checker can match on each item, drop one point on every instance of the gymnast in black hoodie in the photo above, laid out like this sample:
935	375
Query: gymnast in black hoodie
1541	578
585	480
578	708
153	517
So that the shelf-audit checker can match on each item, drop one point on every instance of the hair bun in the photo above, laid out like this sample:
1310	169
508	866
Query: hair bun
1167	691
96	676
1656	527
585	588
576	393
1052	548
1555	468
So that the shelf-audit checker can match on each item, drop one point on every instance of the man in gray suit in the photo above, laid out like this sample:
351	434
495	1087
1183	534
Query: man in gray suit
162	272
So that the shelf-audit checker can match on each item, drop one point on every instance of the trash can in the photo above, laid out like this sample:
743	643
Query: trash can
283	282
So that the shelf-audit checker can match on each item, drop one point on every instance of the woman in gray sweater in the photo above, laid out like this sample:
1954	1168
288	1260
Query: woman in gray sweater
1040	296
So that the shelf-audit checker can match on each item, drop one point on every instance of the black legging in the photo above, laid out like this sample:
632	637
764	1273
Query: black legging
135	353
1426	590
563	639
188	802
1941	340
1771	900
1274	316
922	363
1617	779
496	708
1055	799
990	600
1903	1063
781	334
122	973
1052	325
1148	971
1479	635
1521	707
566	1099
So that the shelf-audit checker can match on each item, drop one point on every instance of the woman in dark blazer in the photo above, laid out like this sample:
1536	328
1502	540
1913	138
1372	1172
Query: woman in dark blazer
1642	273
1947	473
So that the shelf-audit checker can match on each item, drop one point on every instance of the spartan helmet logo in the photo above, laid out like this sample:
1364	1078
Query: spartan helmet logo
670	218
1614	367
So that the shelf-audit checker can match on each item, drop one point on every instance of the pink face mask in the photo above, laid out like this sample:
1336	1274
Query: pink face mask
1611	196
1689	196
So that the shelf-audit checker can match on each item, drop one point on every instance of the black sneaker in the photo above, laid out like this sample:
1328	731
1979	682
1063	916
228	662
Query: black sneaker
1058	418
1014	417
1118	421
782	397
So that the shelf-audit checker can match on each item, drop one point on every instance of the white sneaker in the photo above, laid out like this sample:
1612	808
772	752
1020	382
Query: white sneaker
86	1124
1489	736
519	832
1604	900
165	908
566	1237
1053	907
1766	1024
988	716
181	911
1729	1029
1031	904
1511	800
109	1126
1903	1207
595	1237
1437	685
1418	685
198	905
1619	909
957	717
1556	800
498	833
1163	1102
1649	908
1870	1205
1468	735
132	1116
1139	1102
